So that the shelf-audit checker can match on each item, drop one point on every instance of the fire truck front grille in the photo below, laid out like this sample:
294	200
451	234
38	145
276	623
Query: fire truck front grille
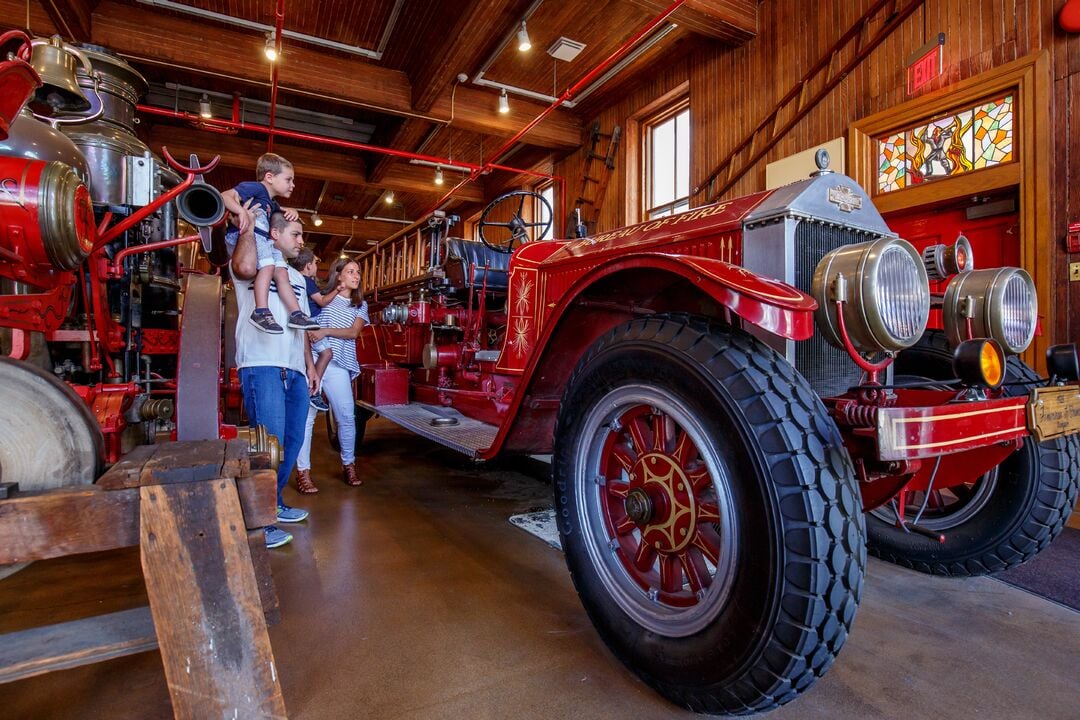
828	368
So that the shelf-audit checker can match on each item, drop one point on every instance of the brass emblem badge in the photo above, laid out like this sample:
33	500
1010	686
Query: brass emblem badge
844	198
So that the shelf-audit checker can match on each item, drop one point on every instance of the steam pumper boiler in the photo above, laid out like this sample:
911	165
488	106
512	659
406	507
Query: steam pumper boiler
96	232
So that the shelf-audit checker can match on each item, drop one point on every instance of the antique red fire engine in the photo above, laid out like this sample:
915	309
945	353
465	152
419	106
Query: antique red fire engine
740	401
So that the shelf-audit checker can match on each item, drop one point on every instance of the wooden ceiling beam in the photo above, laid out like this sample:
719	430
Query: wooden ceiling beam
159	38
476	110
482	20
733	21
71	17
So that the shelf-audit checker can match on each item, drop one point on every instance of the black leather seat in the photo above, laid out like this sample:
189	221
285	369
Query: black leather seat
469	261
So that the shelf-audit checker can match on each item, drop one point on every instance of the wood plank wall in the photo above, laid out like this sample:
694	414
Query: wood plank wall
731	90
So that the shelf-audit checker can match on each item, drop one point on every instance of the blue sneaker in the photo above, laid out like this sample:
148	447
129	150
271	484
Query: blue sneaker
276	537
316	401
288	514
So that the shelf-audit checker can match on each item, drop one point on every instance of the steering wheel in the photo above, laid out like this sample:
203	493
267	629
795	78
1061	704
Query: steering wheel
516	230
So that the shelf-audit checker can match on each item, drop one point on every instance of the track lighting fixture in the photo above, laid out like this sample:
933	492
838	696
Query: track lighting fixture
524	44
316	220
205	110
270	47
504	103
438	175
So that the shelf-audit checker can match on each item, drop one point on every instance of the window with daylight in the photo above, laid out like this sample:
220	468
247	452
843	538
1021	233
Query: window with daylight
974	138
542	214
667	162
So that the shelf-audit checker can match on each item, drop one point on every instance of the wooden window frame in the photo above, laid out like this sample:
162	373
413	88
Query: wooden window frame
670	110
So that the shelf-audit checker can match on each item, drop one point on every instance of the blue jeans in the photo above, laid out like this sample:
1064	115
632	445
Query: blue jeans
277	398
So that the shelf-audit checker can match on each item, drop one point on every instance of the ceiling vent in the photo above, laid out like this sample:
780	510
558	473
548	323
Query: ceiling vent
565	49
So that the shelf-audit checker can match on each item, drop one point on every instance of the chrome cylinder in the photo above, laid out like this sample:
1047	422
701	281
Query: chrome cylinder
33	139
110	139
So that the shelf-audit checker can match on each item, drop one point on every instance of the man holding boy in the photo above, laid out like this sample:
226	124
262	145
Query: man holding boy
277	374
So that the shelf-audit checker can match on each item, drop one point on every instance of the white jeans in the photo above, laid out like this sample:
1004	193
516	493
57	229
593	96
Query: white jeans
337	384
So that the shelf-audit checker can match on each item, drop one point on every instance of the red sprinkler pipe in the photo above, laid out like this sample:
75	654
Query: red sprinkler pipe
279	14
569	93
236	124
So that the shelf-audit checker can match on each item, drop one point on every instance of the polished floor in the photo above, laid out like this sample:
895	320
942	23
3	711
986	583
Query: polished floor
413	597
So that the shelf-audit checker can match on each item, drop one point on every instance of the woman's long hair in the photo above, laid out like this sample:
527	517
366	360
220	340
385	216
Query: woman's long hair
357	298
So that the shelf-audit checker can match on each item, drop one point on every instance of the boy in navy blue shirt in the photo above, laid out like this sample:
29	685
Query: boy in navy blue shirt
253	203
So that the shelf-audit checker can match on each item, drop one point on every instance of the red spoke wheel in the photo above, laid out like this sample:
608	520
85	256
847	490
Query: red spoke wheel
708	512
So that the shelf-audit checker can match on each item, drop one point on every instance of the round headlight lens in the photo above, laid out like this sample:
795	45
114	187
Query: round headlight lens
1001	303
885	291
902	295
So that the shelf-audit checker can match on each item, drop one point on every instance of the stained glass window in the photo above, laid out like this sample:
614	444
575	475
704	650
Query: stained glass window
974	138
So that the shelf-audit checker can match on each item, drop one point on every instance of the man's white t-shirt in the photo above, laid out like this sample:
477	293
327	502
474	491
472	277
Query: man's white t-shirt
255	348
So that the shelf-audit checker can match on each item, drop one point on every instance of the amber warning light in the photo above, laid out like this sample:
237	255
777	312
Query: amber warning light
926	64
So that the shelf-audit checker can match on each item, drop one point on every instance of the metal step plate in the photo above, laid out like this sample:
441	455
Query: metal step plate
437	423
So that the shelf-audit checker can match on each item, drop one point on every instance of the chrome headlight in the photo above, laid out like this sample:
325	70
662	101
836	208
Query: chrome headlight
1001	303
885	291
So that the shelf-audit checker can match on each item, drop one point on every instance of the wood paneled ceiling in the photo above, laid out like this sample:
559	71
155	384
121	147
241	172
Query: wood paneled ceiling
399	75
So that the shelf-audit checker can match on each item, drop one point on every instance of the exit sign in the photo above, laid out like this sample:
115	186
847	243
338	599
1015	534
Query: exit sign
925	65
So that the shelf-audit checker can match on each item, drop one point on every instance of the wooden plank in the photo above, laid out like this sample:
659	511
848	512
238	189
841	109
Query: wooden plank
260	560
733	21
72	16
182	462
67	645
206	604
237	462
258	498
127	472
68	521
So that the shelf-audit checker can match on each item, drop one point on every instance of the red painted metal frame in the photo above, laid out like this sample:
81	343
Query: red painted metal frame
908	433
109	403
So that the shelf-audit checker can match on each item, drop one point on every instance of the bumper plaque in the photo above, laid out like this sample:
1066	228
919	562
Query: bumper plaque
1053	412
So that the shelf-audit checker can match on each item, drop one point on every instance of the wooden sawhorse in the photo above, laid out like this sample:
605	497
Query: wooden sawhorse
197	511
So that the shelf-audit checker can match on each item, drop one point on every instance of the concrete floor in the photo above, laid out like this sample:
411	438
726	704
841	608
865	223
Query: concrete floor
413	597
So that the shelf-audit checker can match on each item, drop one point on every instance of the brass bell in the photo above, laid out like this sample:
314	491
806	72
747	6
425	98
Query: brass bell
55	64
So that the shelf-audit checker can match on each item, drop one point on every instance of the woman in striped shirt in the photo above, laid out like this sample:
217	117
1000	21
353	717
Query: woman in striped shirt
340	321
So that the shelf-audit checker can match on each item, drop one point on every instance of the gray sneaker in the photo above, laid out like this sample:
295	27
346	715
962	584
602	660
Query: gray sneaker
286	514
265	322
275	537
300	321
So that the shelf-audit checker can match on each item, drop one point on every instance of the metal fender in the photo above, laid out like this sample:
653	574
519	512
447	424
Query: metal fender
763	302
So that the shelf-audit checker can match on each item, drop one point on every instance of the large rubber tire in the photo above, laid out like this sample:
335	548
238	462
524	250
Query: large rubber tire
774	498
1009	514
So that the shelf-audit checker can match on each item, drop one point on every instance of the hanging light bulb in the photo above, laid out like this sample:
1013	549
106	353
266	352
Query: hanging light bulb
438	175
270	47
389	197
524	43
205	110
316	220
504	102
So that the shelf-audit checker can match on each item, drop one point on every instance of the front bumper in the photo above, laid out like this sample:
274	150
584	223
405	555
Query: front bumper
912	433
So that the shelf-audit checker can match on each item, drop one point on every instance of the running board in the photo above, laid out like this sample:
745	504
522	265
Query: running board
443	425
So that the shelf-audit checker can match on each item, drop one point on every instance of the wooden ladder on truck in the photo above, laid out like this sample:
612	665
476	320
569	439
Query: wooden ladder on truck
595	174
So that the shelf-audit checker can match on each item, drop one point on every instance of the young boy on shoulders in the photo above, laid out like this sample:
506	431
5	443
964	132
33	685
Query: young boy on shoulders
253	203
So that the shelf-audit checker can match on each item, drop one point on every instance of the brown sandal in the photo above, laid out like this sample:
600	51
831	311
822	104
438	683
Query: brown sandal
304	484
348	474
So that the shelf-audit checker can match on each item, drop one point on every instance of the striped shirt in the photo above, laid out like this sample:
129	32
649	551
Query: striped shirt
341	313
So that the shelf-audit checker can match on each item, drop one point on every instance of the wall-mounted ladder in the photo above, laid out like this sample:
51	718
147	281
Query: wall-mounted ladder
828	72
595	174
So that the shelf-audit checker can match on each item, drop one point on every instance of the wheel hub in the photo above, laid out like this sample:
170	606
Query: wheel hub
639	507
669	524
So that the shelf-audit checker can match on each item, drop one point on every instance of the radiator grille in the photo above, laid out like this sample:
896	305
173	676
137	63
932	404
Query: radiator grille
828	369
